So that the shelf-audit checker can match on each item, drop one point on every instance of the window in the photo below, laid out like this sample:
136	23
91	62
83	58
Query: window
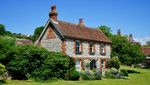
103	49
78	47
92	65
78	65
91	48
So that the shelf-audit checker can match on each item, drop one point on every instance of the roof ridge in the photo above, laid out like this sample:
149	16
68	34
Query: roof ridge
87	27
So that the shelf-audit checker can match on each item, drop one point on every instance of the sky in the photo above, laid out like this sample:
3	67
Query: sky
131	16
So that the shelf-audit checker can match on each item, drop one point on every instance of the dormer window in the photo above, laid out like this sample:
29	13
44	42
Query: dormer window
78	47
91	48
103	49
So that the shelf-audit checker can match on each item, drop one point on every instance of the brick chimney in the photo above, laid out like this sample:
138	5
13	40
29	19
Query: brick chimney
53	14
81	23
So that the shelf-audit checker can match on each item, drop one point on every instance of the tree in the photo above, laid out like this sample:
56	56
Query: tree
37	32
127	52
148	43
2	29
106	30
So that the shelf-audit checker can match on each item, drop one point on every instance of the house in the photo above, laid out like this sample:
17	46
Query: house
23	41
146	61
87	46
129	37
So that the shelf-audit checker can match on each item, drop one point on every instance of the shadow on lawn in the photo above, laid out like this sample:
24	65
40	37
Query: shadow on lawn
2	81
133	71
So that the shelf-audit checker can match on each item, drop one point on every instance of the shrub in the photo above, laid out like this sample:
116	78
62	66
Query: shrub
33	62
109	74
2	69
115	74
6	46
124	72
89	75
97	75
75	75
114	62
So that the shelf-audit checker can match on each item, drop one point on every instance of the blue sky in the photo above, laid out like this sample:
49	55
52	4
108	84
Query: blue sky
131	16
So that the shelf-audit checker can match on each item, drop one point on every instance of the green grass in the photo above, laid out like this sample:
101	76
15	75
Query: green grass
142	78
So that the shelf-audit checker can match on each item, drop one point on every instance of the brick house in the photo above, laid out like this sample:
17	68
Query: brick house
87	46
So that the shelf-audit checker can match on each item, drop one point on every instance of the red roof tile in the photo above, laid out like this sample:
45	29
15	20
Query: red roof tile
70	30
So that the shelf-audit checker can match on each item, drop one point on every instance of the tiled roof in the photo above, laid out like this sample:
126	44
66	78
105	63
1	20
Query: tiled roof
146	50
70	30
23	41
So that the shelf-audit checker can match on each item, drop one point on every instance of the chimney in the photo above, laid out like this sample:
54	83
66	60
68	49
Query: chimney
81	23
119	32
130	36
53	14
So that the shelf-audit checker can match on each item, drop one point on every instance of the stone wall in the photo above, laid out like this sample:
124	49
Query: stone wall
70	50
51	41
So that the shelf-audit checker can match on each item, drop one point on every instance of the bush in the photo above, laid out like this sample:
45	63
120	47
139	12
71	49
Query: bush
75	75
89	75
124	72
28	61
6	46
2	69
97	75
114	62
115	74
33	62
109	74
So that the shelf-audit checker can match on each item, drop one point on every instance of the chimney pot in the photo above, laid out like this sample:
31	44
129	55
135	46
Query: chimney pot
53	14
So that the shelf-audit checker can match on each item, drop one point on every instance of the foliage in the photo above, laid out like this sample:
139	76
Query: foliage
124	72
73	75
2	29
134	79
2	69
114	74
37	32
147	44
38	63
6	46
98	75
106	30
114	62
89	75
127	52
28	61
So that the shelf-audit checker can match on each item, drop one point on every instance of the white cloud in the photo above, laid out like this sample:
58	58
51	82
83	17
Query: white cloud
142	40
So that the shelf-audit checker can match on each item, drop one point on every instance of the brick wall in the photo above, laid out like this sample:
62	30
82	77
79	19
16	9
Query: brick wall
51	41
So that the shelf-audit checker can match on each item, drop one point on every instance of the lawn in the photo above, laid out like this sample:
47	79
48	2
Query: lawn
142	78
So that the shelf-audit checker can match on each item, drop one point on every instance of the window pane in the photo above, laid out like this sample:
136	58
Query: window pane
78	47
